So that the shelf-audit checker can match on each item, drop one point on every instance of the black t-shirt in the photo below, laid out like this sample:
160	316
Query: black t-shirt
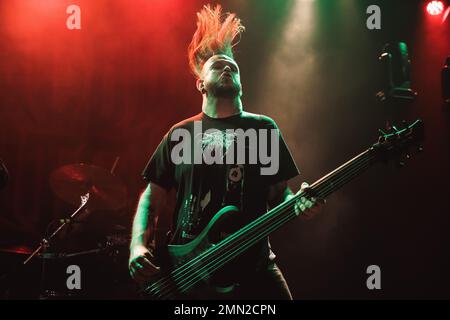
203	188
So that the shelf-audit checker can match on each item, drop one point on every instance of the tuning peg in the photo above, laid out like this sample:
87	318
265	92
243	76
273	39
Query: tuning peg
420	148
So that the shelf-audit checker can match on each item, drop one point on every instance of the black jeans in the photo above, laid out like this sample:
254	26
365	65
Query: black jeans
265	284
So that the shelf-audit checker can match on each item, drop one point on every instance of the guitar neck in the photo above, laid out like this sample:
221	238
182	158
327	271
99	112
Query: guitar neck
257	230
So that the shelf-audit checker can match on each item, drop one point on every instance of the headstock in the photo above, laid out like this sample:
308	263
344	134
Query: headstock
400	142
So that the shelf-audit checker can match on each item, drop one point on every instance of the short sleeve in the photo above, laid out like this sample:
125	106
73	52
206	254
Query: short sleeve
287	168
160	169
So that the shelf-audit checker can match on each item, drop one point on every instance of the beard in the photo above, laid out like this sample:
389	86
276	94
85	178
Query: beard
225	89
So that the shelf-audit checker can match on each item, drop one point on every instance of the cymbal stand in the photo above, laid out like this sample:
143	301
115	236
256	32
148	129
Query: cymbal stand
45	242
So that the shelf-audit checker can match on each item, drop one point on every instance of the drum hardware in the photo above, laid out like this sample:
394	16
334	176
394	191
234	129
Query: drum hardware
45	242
99	190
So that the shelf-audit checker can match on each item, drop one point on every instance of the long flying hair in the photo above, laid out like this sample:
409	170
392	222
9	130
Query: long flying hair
215	34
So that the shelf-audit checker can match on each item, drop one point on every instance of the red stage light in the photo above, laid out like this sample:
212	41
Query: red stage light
435	7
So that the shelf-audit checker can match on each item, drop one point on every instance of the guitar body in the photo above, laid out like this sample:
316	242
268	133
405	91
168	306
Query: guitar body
212	285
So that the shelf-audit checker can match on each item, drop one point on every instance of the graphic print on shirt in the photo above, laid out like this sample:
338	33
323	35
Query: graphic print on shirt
217	140
232	184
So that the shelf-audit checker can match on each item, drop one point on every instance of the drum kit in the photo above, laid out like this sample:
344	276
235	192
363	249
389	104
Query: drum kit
103	267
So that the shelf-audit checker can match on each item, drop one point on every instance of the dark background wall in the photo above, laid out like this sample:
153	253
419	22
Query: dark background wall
113	88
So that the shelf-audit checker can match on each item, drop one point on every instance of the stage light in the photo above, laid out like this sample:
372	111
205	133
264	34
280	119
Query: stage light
435	7
396	72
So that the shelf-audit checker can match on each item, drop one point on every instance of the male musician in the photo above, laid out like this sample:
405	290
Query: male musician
202	189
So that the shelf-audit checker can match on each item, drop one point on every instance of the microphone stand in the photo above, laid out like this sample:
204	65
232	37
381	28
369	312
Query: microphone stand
45	242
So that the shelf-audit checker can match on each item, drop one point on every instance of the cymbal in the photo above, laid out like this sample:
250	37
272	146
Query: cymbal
72	181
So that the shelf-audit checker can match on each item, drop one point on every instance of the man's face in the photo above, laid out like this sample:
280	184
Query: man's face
220	76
